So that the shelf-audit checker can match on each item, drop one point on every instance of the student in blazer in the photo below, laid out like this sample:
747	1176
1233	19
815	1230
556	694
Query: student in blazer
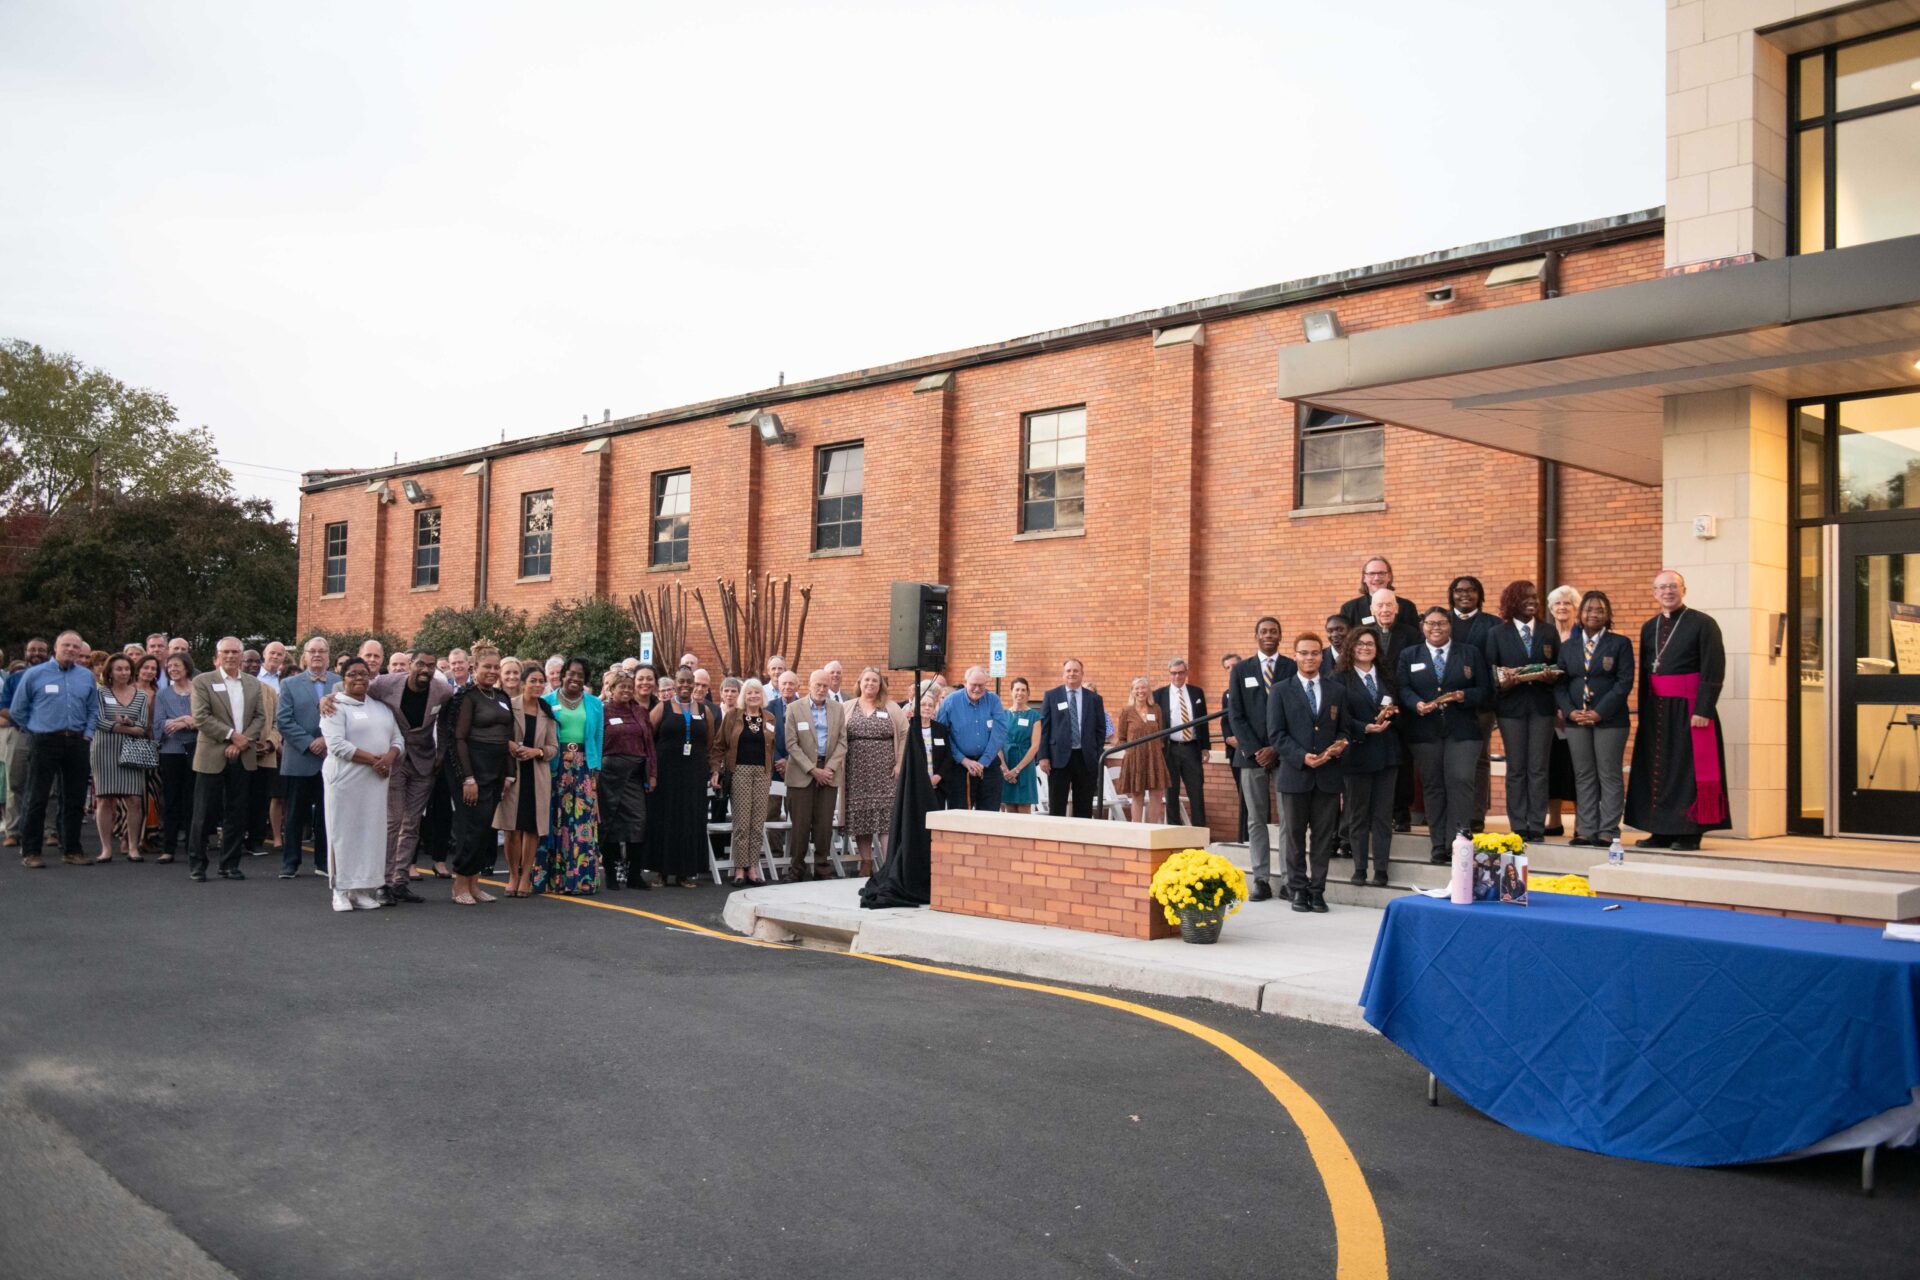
1446	741
1598	675
1248	701
1525	710
1373	757
1310	733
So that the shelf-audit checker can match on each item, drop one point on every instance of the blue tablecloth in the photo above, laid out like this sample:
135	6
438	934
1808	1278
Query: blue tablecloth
1677	1034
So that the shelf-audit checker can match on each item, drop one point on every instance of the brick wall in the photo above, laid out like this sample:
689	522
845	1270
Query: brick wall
1091	887
1183	546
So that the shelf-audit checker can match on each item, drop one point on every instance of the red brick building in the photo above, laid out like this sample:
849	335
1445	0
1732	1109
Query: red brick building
1203	500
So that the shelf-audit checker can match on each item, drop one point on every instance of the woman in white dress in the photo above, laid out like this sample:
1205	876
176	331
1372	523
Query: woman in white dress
363	742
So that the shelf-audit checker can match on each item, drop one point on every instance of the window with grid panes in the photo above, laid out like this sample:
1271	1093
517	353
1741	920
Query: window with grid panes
839	474
426	547
1053	474
1854	161
536	534
333	575
672	515
1342	459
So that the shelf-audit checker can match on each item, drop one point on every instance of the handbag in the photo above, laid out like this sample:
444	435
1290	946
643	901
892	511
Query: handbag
139	753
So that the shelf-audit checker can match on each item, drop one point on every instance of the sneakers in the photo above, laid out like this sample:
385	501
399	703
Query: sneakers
341	902
363	900
320	871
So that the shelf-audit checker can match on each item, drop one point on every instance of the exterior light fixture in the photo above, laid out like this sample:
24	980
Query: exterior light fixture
768	427
414	492
1440	293
1321	326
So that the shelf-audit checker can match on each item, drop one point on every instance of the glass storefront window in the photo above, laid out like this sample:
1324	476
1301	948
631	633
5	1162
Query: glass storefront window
1876	178
1811	635
1879	447
1812	161
1813	86
1873	71
1810	432
1886	602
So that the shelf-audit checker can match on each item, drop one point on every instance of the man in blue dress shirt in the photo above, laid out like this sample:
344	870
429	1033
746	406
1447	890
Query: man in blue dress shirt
976	730
57	705
18	782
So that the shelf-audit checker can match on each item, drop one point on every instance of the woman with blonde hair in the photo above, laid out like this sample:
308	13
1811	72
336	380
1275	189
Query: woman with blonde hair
743	751
1143	770
1563	606
875	735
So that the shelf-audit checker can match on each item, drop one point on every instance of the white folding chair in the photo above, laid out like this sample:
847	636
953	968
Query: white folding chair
1116	803
771	863
715	863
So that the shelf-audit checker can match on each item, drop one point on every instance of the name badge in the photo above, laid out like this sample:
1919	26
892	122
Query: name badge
686	748
1253	682
1063	706
939	742
616	720
1149	719
1022	721
1419	666
54	688
1367	621
356	715
880	713
698	716
218	688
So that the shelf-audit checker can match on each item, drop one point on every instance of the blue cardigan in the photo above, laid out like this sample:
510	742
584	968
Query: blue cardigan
596	727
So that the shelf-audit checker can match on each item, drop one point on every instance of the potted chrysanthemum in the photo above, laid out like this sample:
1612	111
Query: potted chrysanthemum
1198	891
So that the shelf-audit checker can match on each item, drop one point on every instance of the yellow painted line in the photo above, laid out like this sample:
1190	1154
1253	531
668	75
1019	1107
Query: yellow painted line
1360	1240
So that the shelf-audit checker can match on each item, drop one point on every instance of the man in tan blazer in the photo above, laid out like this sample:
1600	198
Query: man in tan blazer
816	751
229	714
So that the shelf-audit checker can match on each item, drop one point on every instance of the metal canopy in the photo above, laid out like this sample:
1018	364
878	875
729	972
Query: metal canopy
1582	379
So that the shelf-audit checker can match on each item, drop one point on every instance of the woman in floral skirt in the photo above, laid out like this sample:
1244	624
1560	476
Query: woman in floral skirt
569	860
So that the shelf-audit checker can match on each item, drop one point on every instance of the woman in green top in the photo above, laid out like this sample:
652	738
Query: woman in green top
569	859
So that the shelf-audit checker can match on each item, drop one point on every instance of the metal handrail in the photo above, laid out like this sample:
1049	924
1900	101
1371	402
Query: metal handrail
1100	768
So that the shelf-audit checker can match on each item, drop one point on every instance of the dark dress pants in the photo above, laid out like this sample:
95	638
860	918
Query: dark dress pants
811	809
1368	820
176	800
260	807
1070	786
1309	825
63	759
306	806
1184	769
1447	776
220	797
436	825
962	790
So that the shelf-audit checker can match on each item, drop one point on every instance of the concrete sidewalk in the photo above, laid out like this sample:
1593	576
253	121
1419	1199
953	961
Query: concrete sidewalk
1269	958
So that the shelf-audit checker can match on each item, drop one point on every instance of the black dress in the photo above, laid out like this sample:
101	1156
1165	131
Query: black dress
677	816
482	724
527	816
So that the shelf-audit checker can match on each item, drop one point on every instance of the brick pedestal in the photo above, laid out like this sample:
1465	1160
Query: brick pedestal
1073	873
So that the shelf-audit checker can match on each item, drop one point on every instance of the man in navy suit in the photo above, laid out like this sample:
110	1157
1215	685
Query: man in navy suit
1072	735
302	752
1310	736
1524	705
1473	625
1445	738
1249	699
1186	751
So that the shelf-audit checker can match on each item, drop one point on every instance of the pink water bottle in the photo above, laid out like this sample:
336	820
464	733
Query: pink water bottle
1462	885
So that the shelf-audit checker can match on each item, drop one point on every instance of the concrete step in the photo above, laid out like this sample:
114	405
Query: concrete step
1773	892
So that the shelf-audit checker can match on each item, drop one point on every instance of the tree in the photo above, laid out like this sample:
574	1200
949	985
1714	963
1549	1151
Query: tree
445	629
596	628
189	564
64	427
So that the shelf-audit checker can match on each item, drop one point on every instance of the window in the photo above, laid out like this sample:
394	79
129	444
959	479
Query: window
1342	459
839	474
1053	477
536	534
333	575
672	511
1855	154
426	547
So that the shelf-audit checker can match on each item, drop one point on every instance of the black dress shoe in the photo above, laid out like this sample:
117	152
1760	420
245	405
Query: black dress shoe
1301	902
201	876
1581	842
398	893
235	874
1654	842
1260	892
1441	858
1380	882
1358	877
1402	825
1686	844
1556	830
1317	901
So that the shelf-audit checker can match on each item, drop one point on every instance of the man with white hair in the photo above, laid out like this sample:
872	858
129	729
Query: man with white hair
57	705
833	671
975	727
1677	788
1398	627
816	752
630	665
776	666
229	714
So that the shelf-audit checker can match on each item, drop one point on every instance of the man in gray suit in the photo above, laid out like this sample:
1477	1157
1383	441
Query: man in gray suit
302	752
229	714
415	698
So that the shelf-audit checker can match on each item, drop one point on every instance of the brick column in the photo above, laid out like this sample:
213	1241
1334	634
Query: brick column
1171	572
376	564
930	427
597	462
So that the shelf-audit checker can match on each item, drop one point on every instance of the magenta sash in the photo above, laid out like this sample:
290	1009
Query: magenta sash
1709	789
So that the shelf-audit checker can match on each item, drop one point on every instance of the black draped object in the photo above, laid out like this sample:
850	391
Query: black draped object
907	878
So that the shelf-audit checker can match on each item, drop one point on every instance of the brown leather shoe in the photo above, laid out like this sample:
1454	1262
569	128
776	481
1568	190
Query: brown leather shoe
32	862
76	859
12	841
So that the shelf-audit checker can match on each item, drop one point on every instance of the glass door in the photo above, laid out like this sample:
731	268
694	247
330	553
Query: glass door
1878	669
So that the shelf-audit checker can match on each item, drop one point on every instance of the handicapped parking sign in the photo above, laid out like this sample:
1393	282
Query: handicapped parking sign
997	653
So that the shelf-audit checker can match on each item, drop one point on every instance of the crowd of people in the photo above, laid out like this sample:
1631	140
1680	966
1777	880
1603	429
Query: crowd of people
637	776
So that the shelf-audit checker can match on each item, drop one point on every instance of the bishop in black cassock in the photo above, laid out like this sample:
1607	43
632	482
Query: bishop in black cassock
1678	787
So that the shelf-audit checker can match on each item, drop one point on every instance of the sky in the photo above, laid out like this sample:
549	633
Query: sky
336	234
